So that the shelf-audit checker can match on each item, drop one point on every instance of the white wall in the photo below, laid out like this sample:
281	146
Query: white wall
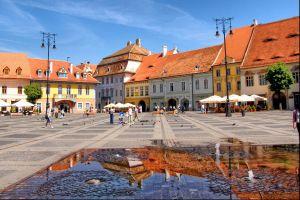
12	89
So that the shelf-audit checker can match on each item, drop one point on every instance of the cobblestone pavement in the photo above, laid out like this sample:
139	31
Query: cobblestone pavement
26	146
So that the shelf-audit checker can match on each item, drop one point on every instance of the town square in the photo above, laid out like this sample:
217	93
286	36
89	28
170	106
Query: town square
152	107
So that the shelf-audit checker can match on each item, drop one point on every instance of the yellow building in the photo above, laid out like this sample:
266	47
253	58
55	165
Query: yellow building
70	88
236	45
137	93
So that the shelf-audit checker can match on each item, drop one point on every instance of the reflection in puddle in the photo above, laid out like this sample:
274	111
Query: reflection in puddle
224	171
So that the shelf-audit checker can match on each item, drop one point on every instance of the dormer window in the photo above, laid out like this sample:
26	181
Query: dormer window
84	76
77	75
291	35
271	38
6	71
150	66
19	71
47	73
62	73
197	67
108	69
277	56
295	53
39	73
259	58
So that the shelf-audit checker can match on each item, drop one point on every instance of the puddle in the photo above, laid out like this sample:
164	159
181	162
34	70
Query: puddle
230	170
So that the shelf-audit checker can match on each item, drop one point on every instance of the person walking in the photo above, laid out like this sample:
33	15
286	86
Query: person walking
296	119
111	116
136	115
129	115
48	119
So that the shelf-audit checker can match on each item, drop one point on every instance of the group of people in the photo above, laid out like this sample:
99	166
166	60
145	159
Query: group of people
131	115
173	109
54	112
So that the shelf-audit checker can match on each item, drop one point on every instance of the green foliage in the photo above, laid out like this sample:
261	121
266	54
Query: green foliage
33	92
279	77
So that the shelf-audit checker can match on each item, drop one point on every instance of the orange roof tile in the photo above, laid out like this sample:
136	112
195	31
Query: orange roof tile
13	61
273	42
156	66
41	64
82	66
236	44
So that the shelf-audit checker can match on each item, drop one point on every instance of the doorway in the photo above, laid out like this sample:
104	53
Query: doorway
172	103
279	98
143	104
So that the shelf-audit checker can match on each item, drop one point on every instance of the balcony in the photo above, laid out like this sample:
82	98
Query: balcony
59	97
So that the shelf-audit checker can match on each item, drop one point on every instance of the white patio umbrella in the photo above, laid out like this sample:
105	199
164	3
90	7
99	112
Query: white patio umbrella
256	97
4	104
246	98
111	105
22	103
213	99
129	105
120	105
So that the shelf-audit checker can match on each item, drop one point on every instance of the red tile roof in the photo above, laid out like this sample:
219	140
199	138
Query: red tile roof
82	66
156	66
236	44
273	42
13	61
41	64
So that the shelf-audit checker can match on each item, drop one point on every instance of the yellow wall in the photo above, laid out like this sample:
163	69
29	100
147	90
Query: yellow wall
137	97
233	78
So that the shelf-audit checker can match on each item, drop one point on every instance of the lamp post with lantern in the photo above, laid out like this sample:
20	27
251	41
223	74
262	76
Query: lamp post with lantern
50	41
224	22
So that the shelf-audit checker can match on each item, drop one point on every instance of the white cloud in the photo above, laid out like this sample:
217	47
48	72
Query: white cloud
145	14
16	21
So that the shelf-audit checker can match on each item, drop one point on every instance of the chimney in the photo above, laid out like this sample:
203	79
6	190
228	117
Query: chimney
175	51
128	43
138	42
165	50
255	22
150	53
71	68
88	62
51	67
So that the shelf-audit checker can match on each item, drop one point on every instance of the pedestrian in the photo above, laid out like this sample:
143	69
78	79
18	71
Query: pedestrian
136	115
129	115
48	118
52	112
243	111
62	113
141	108
111	116
121	117
202	108
296	119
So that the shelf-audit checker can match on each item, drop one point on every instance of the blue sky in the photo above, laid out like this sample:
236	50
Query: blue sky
91	29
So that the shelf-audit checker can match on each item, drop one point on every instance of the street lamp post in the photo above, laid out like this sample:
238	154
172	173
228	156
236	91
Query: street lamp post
224	23
50	40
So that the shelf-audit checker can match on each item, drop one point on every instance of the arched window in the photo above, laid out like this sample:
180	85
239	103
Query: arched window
205	84
19	71
39	72
6	71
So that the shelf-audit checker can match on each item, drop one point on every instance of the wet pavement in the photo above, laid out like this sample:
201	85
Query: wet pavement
227	170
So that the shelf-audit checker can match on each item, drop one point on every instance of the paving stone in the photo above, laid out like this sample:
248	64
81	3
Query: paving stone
135	136
184	129
25	135
4	173
138	130
26	156
55	143
76	136
2	142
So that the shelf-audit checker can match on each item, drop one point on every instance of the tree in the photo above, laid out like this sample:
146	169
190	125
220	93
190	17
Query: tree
33	92
279	77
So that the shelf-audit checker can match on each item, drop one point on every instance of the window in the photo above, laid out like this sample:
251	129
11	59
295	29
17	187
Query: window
238	83
141	91
107	91
108	69
87	90
171	87
107	80
182	86
84	75
218	73
6	71
238	71
112	79
121	79
59	88
296	76
131	91
102	80
79	89
161	88
127	92
116	80
262	79
79	105
116	93
197	85
111	92
19	71
68	89
47	73
228	72
103	92
4	89
39	73
219	87
20	90
146	90
62	75
205	84
77	75
154	88
121	93
249	81
229	86
99	95
87	105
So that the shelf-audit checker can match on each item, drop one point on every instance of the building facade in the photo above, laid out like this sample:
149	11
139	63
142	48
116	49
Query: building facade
137	93
14	76
272	43
70	89
116	69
